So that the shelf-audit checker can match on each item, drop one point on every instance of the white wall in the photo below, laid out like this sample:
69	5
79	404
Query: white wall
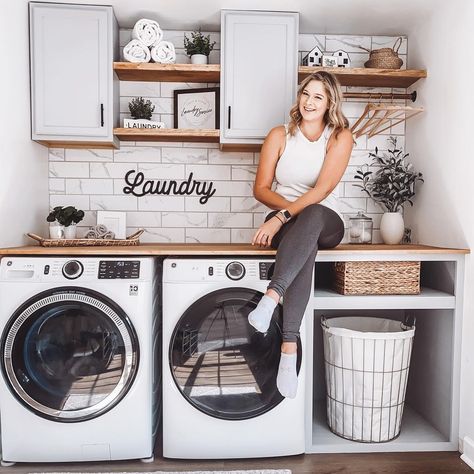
24	164
441	146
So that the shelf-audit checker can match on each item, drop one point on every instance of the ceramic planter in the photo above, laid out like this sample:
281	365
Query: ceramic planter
70	231
199	59
392	228
56	231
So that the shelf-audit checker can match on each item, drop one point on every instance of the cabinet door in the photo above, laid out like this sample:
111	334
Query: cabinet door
71	64
259	73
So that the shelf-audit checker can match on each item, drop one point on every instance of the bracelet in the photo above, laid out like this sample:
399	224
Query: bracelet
276	215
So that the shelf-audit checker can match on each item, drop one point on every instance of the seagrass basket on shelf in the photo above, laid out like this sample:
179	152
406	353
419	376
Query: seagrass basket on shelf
385	58
377	278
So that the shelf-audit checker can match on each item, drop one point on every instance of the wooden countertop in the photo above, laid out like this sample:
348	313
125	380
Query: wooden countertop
220	249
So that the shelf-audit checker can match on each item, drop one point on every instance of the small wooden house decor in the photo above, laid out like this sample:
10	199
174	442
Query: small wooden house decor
313	58
343	59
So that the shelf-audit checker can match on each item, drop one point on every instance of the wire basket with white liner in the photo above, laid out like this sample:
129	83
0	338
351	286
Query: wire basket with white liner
366	365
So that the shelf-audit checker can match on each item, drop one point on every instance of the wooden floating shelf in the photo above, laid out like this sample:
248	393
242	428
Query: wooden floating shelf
357	77
369	77
167	135
154	72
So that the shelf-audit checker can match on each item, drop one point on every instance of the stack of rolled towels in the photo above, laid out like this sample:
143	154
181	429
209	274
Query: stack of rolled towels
99	231
147	43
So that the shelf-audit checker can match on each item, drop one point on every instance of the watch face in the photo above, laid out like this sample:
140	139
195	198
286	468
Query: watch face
287	214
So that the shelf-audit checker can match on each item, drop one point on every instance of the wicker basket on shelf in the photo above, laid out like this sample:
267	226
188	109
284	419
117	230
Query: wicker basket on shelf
377	278
133	239
385	58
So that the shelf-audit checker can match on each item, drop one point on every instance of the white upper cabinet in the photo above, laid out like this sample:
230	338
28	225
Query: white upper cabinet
72	49
259	65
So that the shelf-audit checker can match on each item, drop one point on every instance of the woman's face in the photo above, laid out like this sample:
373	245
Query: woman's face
313	101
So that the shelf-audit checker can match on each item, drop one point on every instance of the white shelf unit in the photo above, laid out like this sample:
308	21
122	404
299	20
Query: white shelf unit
431	416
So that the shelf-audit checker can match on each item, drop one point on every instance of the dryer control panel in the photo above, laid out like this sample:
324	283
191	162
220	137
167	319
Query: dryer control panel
119	269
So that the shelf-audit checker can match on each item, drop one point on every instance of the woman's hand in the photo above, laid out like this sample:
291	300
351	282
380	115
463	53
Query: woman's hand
267	230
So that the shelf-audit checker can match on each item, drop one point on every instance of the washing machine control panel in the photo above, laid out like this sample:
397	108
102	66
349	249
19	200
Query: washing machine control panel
266	270
118	269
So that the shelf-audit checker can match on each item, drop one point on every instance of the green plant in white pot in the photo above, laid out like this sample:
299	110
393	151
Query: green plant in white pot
141	111
392	184
198	47
63	222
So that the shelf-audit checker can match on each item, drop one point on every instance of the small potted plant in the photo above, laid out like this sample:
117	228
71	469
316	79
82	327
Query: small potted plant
392	184
63	222
198	47
141	111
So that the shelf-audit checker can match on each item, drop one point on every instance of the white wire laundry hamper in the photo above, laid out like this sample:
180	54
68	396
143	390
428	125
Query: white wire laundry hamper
366	365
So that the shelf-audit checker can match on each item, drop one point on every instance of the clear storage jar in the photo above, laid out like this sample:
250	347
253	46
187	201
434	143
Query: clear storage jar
360	229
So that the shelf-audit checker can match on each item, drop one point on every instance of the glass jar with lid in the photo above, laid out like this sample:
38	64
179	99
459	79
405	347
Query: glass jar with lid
360	229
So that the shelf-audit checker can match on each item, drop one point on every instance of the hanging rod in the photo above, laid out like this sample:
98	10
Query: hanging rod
380	95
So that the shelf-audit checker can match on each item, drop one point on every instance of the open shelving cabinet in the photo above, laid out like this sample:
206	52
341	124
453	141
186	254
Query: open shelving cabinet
210	73
431	415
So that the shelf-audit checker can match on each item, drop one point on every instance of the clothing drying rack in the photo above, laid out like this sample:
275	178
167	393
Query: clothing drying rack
378	117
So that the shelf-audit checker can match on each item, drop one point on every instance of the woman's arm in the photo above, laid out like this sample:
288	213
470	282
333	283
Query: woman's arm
335	163
272	149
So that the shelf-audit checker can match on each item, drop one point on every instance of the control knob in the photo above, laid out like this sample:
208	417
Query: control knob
235	271
72	269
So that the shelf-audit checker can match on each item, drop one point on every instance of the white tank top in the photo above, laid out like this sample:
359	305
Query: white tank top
299	166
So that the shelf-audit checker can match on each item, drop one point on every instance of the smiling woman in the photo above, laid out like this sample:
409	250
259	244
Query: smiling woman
307	158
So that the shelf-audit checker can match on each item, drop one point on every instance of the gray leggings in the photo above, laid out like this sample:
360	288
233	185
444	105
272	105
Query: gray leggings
298	241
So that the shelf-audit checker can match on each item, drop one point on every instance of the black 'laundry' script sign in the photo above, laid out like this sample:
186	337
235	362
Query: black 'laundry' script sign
138	186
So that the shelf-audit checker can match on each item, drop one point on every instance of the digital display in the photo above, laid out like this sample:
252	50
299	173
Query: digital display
119	269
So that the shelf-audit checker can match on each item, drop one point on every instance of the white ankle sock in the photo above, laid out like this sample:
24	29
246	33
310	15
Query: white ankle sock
261	316
287	378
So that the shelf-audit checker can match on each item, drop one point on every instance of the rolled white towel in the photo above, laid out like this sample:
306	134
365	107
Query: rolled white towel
148	32
163	52
91	234
136	52
109	235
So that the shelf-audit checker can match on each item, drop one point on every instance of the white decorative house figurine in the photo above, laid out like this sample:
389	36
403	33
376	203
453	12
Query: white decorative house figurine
343	59
313	58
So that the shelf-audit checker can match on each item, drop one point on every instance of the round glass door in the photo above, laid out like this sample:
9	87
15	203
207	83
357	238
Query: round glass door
221	364
69	354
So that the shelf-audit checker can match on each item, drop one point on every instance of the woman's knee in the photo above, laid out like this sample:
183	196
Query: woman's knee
313	211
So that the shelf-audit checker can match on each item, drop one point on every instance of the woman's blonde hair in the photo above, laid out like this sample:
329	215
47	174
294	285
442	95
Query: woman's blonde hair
333	116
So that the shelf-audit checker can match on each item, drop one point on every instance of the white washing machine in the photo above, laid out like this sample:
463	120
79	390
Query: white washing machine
219	374
77	354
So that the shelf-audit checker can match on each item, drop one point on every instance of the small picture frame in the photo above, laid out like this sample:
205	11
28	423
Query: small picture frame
196	108
328	61
114	221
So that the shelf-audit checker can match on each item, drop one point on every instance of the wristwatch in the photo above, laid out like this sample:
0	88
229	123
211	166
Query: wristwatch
286	214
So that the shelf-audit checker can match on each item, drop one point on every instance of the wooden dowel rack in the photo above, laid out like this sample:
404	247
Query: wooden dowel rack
379	96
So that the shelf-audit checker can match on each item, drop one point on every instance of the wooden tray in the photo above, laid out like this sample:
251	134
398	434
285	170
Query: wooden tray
130	240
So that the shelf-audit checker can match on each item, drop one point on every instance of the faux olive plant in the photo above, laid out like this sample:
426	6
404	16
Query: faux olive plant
198	43
141	109
393	182
65	216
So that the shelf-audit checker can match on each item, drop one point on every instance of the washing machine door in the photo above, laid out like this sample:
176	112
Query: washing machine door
69	354
221	364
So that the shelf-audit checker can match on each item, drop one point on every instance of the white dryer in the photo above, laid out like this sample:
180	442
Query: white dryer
219	375
77	352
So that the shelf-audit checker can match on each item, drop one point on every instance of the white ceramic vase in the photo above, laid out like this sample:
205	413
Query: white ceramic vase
199	59
392	228
56	231
70	231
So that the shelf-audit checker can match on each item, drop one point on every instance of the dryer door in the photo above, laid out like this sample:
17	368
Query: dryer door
221	365
69	354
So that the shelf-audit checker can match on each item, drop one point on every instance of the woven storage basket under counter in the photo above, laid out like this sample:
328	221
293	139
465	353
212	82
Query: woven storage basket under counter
377	278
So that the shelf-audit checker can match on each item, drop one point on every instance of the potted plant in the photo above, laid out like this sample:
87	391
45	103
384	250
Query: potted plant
63	222
198	47
392	184
141	111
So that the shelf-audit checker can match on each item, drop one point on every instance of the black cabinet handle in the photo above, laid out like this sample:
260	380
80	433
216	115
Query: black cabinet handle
101	115
228	116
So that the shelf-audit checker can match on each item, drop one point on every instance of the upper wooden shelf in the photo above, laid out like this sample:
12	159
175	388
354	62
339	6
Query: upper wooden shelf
167	135
360	77
154	72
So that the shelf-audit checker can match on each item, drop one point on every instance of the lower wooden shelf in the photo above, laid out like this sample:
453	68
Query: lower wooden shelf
167	135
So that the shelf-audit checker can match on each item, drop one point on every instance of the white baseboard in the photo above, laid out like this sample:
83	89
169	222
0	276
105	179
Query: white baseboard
468	452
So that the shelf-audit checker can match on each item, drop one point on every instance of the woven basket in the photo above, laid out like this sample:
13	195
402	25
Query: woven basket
377	278
130	240
385	58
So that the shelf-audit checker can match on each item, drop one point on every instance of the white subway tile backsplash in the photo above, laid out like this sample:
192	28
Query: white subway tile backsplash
89	186
111	170
60	169
94	179
203	236
138	154
79	154
184	155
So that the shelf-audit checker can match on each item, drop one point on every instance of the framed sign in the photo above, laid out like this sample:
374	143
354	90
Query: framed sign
196	108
